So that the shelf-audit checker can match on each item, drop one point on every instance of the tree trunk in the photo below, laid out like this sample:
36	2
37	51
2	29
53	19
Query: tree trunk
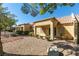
1	47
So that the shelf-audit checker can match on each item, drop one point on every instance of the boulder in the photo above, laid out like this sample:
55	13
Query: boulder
67	52
60	49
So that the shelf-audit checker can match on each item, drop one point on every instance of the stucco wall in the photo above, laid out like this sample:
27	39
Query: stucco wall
24	28
27	28
42	31
19	28
69	31
42	28
68	28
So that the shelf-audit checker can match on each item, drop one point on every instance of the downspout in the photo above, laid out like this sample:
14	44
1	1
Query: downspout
77	32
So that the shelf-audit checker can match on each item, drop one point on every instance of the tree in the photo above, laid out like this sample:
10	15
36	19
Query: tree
41	8
6	20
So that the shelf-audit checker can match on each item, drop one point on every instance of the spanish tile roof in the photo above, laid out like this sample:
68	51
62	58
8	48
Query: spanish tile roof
24	24
44	20
77	17
62	20
66	19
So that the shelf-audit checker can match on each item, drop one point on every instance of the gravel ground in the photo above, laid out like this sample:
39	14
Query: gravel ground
25	46
31	46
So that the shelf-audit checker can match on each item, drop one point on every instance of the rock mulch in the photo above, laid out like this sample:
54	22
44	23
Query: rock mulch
31	46
66	48
25	46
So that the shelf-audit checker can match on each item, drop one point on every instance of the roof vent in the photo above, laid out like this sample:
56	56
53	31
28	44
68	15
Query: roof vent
72	15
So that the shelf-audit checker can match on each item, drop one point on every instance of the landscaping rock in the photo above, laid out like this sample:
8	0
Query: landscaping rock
67	52
60	49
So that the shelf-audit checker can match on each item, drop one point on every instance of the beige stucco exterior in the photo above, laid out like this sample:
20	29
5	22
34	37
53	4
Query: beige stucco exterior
24	27
68	31
53	29
39	29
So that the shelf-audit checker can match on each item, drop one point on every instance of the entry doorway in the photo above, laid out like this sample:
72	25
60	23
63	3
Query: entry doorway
54	31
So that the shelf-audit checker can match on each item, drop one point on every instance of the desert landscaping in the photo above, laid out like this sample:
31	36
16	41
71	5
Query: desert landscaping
28	46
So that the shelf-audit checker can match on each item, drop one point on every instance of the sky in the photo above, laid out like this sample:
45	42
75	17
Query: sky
15	8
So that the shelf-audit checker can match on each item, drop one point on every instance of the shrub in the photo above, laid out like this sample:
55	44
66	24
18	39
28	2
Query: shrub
9	30
31	33
14	34
19	32
26	32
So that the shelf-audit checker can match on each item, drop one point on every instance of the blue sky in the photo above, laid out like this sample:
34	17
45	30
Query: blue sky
15	8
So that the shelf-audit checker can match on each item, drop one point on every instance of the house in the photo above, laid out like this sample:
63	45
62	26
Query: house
53	28
24	27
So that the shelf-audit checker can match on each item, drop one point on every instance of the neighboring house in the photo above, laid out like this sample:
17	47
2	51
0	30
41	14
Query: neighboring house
24	27
63	28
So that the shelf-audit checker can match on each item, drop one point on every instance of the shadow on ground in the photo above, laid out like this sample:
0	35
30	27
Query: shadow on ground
49	54
10	54
54	53
66	46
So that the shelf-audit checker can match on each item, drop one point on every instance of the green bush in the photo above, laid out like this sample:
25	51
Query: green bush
14	34
26	32
31	33
10	30
19	32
